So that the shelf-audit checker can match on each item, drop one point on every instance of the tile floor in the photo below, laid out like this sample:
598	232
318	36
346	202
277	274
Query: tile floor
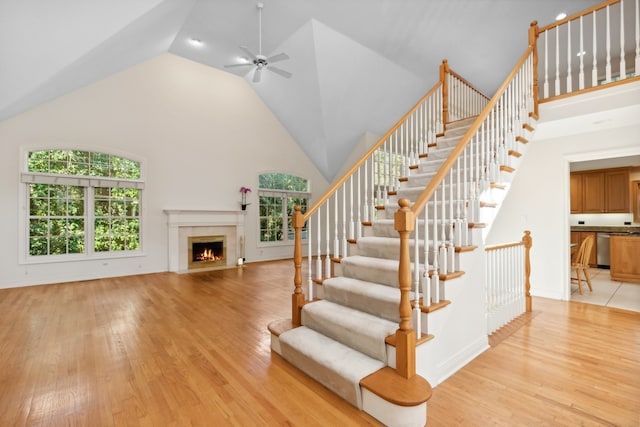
607	292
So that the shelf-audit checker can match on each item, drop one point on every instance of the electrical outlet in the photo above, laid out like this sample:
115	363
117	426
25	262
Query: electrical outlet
627	223
580	222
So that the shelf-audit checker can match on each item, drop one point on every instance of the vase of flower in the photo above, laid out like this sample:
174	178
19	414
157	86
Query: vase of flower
243	194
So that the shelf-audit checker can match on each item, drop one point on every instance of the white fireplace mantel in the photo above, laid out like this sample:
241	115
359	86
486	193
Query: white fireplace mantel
182	223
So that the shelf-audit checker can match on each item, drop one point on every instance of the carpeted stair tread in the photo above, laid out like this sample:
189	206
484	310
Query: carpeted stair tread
359	330
386	227
386	247
379	300
377	270
334	365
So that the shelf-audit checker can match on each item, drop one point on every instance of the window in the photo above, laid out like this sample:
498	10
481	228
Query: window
279	194
387	167
81	203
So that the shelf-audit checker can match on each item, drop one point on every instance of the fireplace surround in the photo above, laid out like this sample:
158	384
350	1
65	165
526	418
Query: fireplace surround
206	251
185	226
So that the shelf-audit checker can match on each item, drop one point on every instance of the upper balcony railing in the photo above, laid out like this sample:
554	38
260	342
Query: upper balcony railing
585	51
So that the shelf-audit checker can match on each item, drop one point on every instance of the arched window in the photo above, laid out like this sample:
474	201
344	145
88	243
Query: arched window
81	203
279	193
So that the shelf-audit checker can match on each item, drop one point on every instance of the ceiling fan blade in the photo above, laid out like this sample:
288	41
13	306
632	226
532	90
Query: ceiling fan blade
277	57
280	71
237	65
256	75
248	52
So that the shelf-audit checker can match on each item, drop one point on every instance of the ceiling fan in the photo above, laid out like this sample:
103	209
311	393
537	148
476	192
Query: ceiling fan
260	61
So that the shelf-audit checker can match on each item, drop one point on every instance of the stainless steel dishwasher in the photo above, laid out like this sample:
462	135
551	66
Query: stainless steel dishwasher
602	245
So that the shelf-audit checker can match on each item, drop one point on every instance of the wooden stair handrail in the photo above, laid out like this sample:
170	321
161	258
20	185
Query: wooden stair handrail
578	15
404	223
366	156
444	69
457	151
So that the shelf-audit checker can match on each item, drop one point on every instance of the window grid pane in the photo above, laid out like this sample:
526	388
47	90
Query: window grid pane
56	221
279	194
57	213
82	163
271	218
117	219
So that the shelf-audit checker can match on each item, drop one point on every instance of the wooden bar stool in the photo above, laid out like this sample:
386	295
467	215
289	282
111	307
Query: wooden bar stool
581	262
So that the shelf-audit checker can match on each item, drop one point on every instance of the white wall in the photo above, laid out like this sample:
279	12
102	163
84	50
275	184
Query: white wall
201	134
539	201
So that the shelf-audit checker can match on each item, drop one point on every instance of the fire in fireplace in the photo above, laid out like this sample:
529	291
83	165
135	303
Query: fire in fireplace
206	251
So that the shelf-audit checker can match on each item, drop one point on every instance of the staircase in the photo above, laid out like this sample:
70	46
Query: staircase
394	300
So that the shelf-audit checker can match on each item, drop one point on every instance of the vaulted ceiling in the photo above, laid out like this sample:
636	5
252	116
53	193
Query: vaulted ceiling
357	65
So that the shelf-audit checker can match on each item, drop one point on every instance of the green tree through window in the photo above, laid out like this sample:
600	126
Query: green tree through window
77	197
279	193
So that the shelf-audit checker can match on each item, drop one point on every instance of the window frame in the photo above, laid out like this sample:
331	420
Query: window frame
89	184
286	217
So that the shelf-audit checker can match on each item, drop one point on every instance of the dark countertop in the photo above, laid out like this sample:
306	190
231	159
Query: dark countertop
606	229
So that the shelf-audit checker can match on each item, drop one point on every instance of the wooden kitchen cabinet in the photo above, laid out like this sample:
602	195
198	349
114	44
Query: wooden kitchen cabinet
593	192
577	193
625	258
635	200
601	191
577	237
616	185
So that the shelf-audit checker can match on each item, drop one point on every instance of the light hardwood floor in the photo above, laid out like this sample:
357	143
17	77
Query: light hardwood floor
193	349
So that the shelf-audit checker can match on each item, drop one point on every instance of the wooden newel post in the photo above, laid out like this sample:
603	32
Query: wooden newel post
526	239
404	221
444	70
533	41
297	299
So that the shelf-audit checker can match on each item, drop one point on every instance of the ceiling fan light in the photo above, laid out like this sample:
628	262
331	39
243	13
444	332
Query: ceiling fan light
195	42
561	16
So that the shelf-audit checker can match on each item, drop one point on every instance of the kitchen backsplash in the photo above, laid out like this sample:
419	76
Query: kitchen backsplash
612	219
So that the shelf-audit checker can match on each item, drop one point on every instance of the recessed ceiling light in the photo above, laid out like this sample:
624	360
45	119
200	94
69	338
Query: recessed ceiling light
195	42
561	16
583	53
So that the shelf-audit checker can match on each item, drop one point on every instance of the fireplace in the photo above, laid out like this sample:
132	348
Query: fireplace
186	224
206	251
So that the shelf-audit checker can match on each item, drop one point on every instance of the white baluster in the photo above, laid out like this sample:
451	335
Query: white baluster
581	73
435	282
637	38
451	254
344	242
366	192
608	63
557	91
309	261
623	66
426	281
359	200
336	235
352	224
327	257
442	255
545	86
594	70
416	279
318	255
569	81
451	211
458	231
